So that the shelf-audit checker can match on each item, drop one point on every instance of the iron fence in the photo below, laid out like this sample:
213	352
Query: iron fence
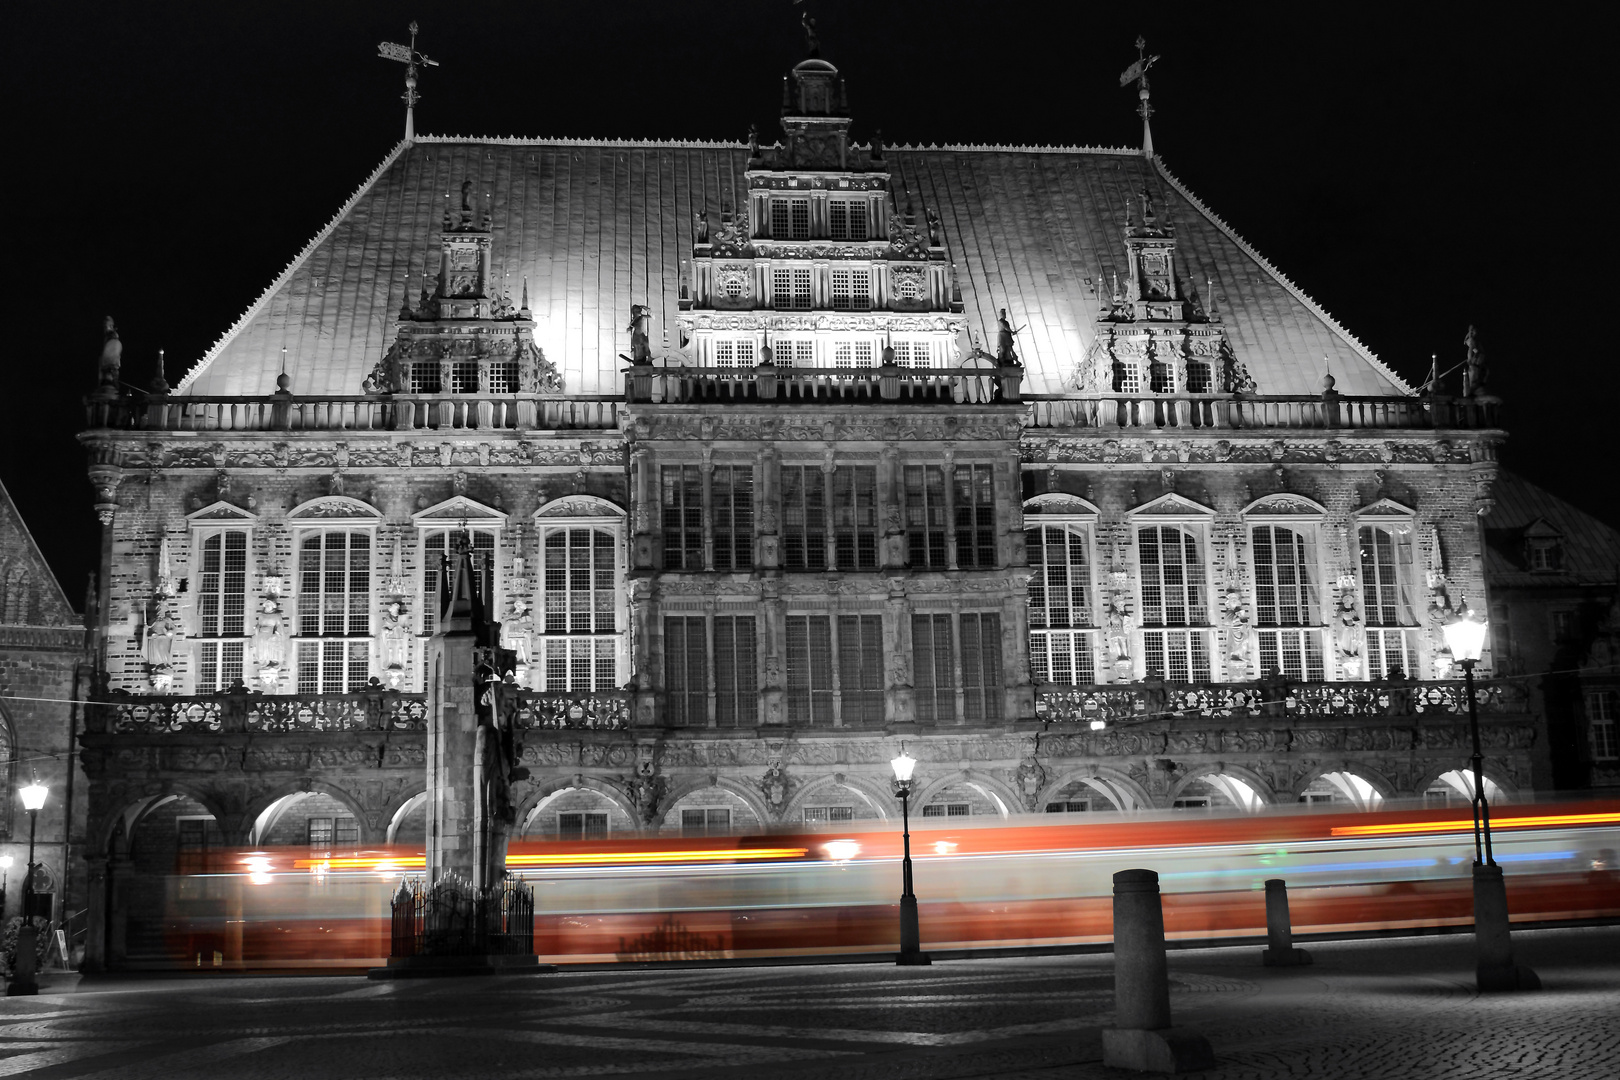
452	918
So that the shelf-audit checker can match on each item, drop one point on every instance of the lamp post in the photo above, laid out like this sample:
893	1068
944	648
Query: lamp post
910	936
1494	968
23	980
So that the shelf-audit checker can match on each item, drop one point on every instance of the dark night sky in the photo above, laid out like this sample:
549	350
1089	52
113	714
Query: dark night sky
1413	172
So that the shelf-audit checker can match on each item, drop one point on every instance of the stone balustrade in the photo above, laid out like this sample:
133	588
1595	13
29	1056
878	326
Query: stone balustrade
1128	702
397	412
1219	412
374	710
888	385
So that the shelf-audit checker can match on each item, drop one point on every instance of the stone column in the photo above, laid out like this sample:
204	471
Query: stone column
1142	1038
1495	968
95	930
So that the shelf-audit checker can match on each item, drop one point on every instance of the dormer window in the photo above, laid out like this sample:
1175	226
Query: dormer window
790	219
1544	554
464	377
424	377
847	218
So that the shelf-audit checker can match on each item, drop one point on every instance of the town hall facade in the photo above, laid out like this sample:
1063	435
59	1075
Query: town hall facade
771	458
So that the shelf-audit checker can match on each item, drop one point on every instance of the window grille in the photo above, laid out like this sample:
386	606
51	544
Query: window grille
854	500
732	286
579	610
346	832
1200	378
683	517
1127	377
1284	577
843	356
829	813
1391	650
1063	656
860	287
1600	725
863	354
732	490
779	219
1176	655
838	218
686	671
1059	603
860	670
1294	653
1386	567
809	670
581	826
908	287
503	377
1163	376
736	671
320	833
955	809
725	353
843	289
902	352
975	517
925	515
1069	806
221	609
795	351
706	821
801	218
981	667
804	517
1172	568
334	601
436	543
1191	802
464	377
933	679
425	376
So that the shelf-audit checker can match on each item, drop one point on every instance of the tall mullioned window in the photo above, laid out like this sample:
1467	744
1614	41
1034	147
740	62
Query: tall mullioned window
579	610
975	517
334	611
222	624
934	650
682	504
1175	607
732	492
1062	626
835	670
736	671
804	517
437	546
686	671
1600	724
1287	614
1386	597
854	507
925	515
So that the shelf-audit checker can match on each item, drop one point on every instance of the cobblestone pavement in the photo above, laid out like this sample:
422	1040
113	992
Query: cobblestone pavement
1391	1008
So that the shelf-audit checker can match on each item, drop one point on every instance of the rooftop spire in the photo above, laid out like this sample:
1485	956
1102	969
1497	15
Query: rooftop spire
1137	73
407	55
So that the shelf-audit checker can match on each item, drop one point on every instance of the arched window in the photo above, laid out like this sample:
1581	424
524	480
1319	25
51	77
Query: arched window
222	625
1283	552
437	545
334	611
1172	538
580	622
1062	605
1384	546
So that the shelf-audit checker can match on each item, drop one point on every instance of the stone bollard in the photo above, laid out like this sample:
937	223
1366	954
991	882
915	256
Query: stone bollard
1494	968
24	980
1280	929
1142	1037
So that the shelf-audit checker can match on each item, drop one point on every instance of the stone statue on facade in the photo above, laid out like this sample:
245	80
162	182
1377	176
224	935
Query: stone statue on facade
112	359
269	647
812	42
640	335
1474	369
1004	340
700	226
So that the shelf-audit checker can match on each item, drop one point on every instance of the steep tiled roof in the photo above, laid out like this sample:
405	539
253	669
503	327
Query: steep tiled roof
23	567
1590	549
595	226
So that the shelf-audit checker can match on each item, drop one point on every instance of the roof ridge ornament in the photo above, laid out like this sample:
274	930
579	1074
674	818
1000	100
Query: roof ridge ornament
407	55
1137	73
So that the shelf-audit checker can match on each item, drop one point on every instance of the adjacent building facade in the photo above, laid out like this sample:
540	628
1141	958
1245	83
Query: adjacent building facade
775	457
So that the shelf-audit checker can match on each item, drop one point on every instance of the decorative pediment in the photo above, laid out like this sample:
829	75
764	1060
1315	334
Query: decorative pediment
1055	503
1386	508
1284	505
457	509
1172	506
1541	529
330	508
221	513
579	506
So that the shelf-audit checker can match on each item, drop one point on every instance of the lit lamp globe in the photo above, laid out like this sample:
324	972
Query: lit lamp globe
902	766
6	861
33	796
1465	637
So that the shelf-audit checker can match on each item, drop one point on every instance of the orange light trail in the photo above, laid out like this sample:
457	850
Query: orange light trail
1468	826
587	858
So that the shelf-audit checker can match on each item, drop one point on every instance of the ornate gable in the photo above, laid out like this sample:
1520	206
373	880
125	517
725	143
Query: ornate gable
1284	505
1172	505
335	509
1387	508
458	509
222	513
579	506
1055	503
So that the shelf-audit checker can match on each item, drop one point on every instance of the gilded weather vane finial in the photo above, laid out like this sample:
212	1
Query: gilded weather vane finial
407	55
1137	73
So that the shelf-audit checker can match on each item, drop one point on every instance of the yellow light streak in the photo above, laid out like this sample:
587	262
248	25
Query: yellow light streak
1468	826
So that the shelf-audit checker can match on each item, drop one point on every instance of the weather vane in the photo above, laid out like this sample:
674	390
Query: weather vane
407	55
1137	73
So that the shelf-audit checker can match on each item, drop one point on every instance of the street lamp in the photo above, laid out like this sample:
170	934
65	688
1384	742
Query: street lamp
1465	636
24	980
910	936
1494	967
